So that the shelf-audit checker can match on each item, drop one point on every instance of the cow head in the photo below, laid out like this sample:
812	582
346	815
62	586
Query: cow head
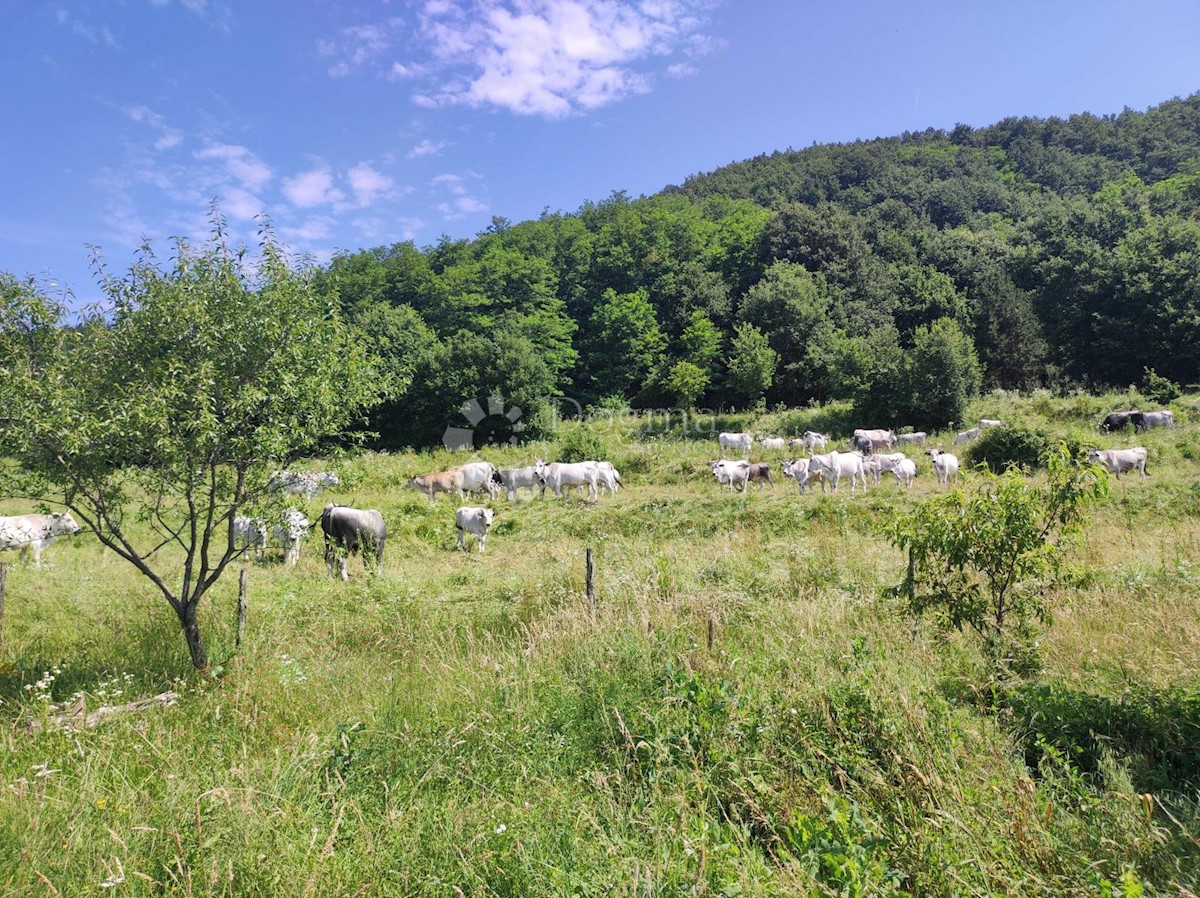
63	523
488	514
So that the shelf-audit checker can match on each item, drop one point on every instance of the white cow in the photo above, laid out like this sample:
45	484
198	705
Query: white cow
878	437
1158	419
289	533
878	465
609	477
814	441
799	469
514	479
917	439
836	465
773	443
985	423
478	475
475	519
250	533
967	435
1117	461
35	531
733	473
945	465
558	475
906	472
303	483
737	442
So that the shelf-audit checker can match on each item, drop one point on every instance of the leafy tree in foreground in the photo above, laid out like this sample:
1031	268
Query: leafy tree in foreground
984	560
157	419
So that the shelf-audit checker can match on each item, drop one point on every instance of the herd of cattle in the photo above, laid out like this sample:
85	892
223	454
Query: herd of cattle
351	530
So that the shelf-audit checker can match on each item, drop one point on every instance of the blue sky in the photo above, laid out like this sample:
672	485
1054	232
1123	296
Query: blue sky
354	124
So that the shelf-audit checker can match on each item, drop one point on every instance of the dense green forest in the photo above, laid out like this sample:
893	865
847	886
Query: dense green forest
902	273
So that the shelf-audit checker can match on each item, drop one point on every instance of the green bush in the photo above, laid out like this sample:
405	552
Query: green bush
580	444
1160	389
1001	448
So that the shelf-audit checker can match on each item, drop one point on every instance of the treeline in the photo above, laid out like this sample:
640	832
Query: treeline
904	273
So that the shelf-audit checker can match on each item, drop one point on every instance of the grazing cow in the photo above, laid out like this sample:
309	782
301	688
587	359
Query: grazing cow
609	477
303	483
1158	419
798	468
290	532
558	475
1119	421
733	473
35	531
916	439
1118	461
737	442
349	530
878	437
773	443
836	465
814	441
945	465
906	472
478	475
512	479
878	465
985	423
437	482
967	435
860	443
760	471
475	519
250	533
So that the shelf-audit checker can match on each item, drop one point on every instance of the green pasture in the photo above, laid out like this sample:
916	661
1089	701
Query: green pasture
744	711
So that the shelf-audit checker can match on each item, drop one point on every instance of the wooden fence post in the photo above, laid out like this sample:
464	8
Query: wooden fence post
241	609
591	582
3	584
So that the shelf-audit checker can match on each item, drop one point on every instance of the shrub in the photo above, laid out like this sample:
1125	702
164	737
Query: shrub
1160	389
580	444
1001	448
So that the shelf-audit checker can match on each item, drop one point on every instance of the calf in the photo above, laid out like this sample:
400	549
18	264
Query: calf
349	530
798	469
878	465
475	519
437	482
250	533
513	479
289	533
945	465
1117	461
814	440
906	472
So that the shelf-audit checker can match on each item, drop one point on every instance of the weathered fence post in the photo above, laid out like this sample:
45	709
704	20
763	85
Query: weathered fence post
712	630
591	582
241	609
3	581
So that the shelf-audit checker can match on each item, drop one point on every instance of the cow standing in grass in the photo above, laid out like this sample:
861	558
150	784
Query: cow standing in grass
349	530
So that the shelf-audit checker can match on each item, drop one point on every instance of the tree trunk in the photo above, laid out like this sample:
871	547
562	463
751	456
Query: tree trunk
191	632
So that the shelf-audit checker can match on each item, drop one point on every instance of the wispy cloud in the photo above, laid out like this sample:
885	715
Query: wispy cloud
460	201
99	35
218	14
427	147
682	70
356	46
240	163
168	137
368	185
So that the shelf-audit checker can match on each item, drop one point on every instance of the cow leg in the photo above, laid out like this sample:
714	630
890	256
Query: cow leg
460	537
345	573
482	538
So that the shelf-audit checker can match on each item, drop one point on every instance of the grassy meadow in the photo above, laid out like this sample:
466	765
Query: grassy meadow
744	712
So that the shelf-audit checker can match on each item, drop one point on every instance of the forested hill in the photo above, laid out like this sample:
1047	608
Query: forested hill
904	273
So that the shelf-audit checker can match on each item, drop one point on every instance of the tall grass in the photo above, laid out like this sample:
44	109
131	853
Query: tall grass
466	724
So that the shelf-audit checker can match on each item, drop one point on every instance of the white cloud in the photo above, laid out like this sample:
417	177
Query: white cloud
312	229
682	70
356	46
368	185
549	57
240	163
92	33
241	204
461	201
312	188
427	147
168	137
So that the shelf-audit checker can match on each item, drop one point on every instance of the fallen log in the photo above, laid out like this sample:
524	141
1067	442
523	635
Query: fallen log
74	715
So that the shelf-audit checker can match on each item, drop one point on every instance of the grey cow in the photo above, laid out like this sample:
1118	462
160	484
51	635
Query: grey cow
349	530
